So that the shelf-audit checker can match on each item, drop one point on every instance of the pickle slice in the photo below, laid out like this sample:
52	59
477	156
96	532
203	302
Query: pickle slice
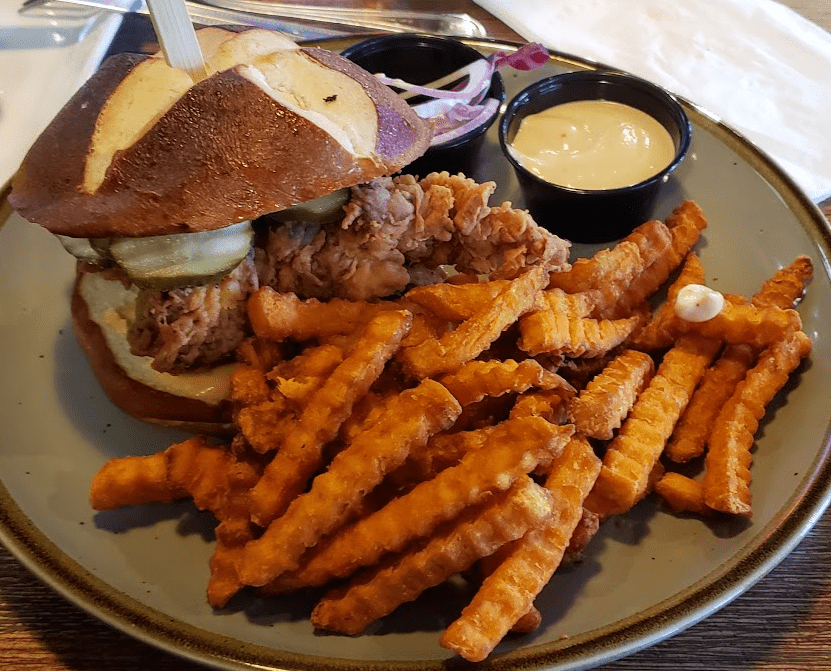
323	210
164	262
84	249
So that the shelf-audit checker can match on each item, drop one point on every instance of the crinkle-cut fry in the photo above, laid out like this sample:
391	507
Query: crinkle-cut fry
478	379
478	532
659	332
579	304
232	535
689	438
618	264
248	385
475	335
130	481
786	286
529	622
283	316
548	404
631	456
549	331
605	402
213	476
610	271
685	226
263	424
407	423
585	530
682	494
298	378
509	591
456	302
442	451
514	449
726	478
262	354
745	323
300	454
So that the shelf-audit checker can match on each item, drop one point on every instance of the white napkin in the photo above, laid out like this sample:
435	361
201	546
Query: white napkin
43	61
759	66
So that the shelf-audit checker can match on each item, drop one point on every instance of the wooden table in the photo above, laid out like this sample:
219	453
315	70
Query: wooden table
783	622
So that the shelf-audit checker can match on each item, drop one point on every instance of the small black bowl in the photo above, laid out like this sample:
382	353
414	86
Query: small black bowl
586	215
421	59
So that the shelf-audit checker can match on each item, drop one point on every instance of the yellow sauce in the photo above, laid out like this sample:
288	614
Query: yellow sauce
593	144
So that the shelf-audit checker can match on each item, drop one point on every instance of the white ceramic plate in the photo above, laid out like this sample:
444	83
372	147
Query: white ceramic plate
647	574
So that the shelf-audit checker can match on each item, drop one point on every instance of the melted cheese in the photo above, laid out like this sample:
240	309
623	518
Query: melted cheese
111	306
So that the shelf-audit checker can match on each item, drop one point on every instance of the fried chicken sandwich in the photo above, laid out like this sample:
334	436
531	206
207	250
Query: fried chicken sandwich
181	199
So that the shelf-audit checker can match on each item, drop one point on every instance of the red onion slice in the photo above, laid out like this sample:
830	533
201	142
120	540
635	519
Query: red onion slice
456	111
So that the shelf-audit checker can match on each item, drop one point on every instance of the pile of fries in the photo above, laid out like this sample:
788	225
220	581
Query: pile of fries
482	428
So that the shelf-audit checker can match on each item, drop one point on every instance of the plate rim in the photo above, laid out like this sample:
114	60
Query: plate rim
663	620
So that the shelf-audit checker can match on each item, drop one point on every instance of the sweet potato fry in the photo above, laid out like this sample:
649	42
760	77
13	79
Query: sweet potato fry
282	316
300	454
552	331
249	385
442	451
298	378
508	592
746	323
263	424
604	403
682	494
786	286
726	479
457	302
477	533
478	379
407	422
610	270
513	449
660	333
475	335
130	481
685	225
689	438
550	405
634	452
263	354
232	535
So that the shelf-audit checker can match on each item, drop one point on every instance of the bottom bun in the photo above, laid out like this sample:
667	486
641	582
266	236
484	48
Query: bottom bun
147	400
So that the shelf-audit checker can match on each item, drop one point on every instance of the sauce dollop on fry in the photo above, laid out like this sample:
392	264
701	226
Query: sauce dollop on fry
697	303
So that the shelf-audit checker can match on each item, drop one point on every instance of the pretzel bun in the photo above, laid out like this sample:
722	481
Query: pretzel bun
141	150
194	402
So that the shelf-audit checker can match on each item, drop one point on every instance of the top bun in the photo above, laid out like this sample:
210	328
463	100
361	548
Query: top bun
141	150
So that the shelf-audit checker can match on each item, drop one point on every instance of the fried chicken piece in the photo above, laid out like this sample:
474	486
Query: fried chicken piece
399	232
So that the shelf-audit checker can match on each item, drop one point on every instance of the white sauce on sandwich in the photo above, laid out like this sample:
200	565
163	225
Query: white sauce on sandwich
111	306
697	303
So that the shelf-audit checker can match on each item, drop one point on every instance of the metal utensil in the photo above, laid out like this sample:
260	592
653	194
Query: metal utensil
388	20
300	20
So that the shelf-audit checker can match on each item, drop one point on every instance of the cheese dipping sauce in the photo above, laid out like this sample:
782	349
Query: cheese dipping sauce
592	144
